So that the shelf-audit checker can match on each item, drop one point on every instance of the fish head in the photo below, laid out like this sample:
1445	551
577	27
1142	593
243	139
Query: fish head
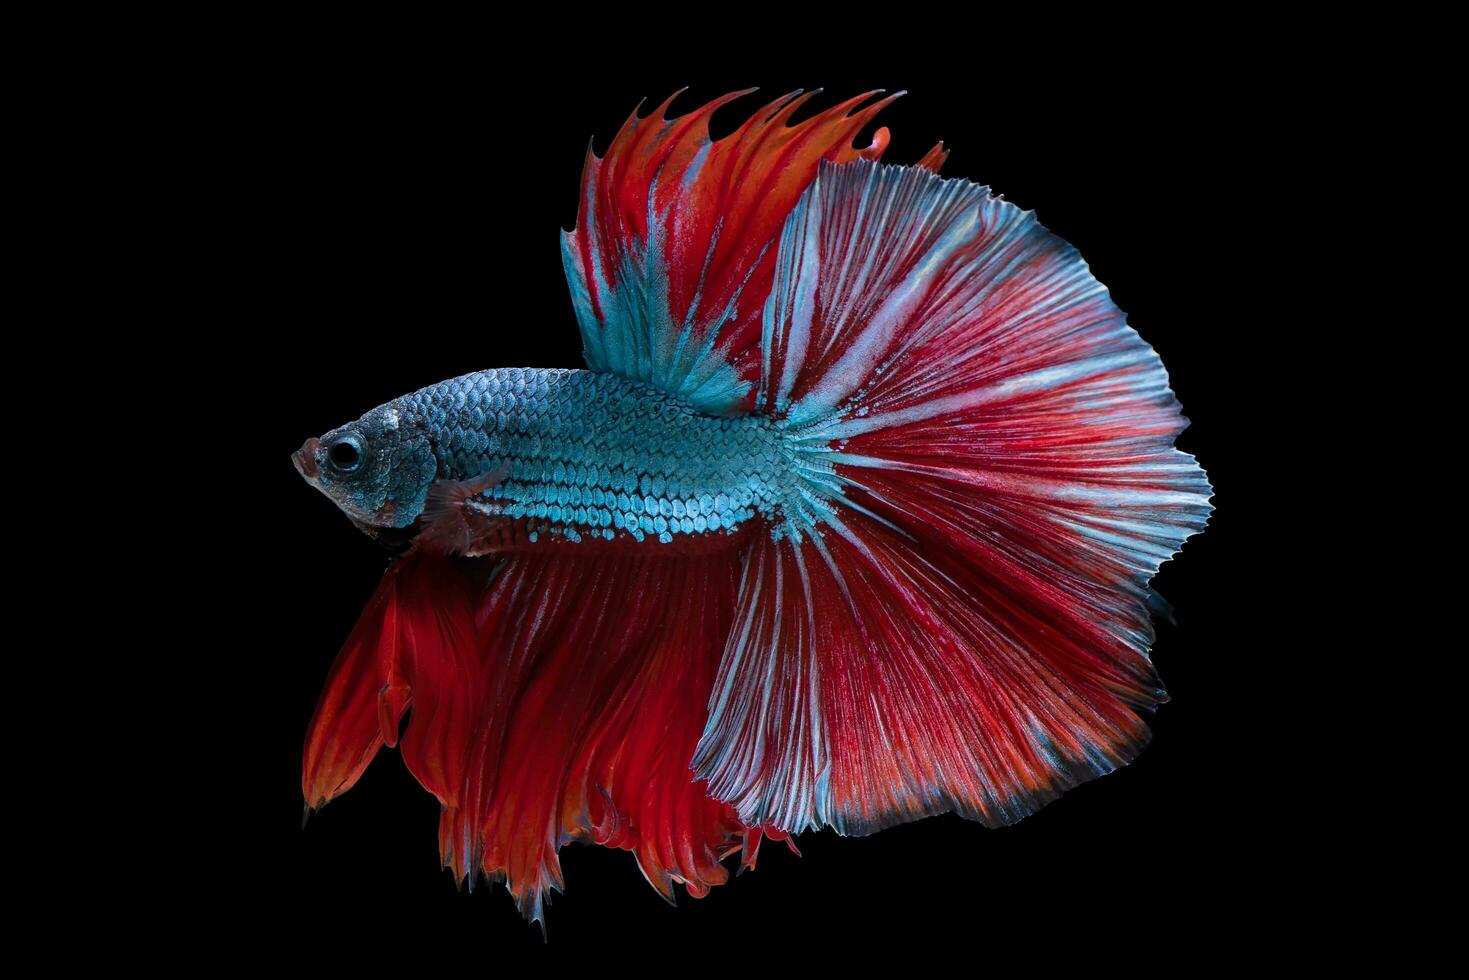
377	469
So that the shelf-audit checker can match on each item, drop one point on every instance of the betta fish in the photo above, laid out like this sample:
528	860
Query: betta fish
851	519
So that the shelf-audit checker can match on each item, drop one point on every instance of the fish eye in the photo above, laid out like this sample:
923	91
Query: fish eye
345	455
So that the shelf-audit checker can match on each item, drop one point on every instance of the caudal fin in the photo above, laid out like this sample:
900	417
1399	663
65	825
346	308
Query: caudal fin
957	617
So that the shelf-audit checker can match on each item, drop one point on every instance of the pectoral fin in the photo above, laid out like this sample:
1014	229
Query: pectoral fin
458	520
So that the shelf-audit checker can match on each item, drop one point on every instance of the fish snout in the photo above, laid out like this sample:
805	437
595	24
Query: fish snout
305	459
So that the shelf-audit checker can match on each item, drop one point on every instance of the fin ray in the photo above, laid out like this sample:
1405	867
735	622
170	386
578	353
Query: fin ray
673	250
993	443
545	709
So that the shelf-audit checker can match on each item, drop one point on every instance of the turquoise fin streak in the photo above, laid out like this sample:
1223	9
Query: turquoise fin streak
638	338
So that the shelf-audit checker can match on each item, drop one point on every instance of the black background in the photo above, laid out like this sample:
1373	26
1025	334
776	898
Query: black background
391	220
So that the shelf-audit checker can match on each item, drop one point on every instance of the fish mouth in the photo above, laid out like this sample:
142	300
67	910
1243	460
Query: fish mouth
305	459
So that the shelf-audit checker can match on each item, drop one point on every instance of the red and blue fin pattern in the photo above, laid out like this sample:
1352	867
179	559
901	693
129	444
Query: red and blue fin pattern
675	239
954	617
962	622
562	704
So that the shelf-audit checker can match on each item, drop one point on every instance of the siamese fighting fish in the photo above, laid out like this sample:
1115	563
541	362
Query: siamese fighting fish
850	519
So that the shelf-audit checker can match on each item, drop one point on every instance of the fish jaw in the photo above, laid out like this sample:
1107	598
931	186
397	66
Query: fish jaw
305	460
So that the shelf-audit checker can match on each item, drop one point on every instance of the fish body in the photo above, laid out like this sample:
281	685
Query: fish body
851	520
599	460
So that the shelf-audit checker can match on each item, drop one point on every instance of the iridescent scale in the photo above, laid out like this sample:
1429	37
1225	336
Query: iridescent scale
593	456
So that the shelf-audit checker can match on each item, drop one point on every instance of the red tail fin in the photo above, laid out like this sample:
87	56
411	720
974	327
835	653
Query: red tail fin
957	615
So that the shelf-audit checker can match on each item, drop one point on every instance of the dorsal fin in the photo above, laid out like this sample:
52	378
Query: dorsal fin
675	240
